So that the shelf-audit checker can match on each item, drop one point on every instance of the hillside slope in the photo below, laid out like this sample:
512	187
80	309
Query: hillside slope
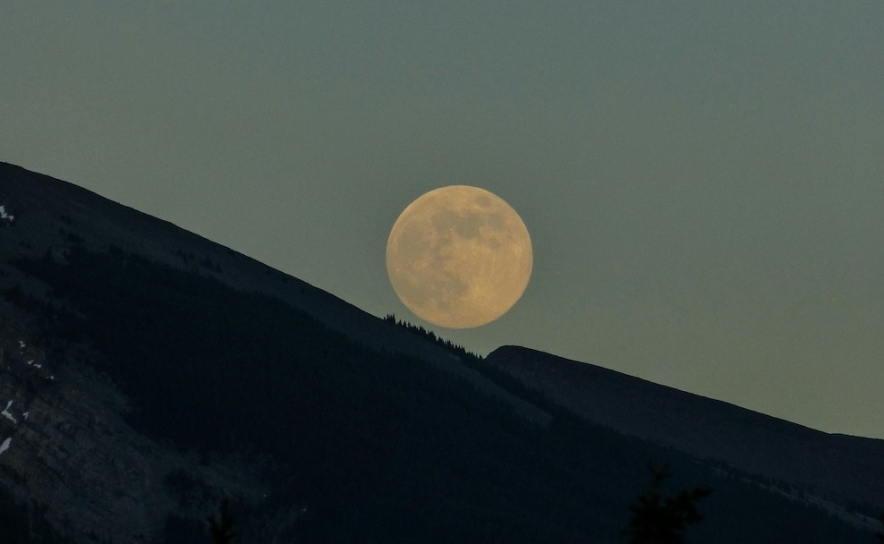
845	469
148	373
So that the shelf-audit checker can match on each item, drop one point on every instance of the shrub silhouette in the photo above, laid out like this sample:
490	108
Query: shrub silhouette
663	520
221	526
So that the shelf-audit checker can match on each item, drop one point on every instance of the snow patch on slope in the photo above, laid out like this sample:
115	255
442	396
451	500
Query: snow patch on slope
5	413
5	216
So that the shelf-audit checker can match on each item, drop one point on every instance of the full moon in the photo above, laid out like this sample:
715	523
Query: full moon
459	257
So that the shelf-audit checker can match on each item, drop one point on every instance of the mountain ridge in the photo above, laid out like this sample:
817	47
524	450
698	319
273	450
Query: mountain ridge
702	427
62	202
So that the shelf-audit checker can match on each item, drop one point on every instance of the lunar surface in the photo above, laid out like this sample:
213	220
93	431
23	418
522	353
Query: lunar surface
459	257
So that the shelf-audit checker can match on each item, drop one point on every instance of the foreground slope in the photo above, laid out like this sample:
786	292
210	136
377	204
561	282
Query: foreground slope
149	373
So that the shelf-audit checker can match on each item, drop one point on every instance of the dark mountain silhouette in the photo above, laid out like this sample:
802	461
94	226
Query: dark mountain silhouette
827	466
148	375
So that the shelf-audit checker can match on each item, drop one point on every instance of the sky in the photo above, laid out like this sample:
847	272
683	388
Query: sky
703	181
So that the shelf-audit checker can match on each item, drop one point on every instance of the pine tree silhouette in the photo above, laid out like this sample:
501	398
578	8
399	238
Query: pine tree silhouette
880	535
221	527
663	520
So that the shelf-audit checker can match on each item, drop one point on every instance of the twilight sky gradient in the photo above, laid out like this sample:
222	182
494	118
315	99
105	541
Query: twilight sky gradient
703	181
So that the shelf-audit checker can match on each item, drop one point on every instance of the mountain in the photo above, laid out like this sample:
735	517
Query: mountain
836	466
147	374
831	469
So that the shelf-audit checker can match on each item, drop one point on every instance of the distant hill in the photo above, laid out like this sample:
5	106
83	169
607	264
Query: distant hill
823	468
148	373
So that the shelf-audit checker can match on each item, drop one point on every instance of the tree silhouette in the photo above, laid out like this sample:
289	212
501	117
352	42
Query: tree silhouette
663	520
221	527
880	535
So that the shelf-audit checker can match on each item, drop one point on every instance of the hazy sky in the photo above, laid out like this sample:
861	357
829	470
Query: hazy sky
703	181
